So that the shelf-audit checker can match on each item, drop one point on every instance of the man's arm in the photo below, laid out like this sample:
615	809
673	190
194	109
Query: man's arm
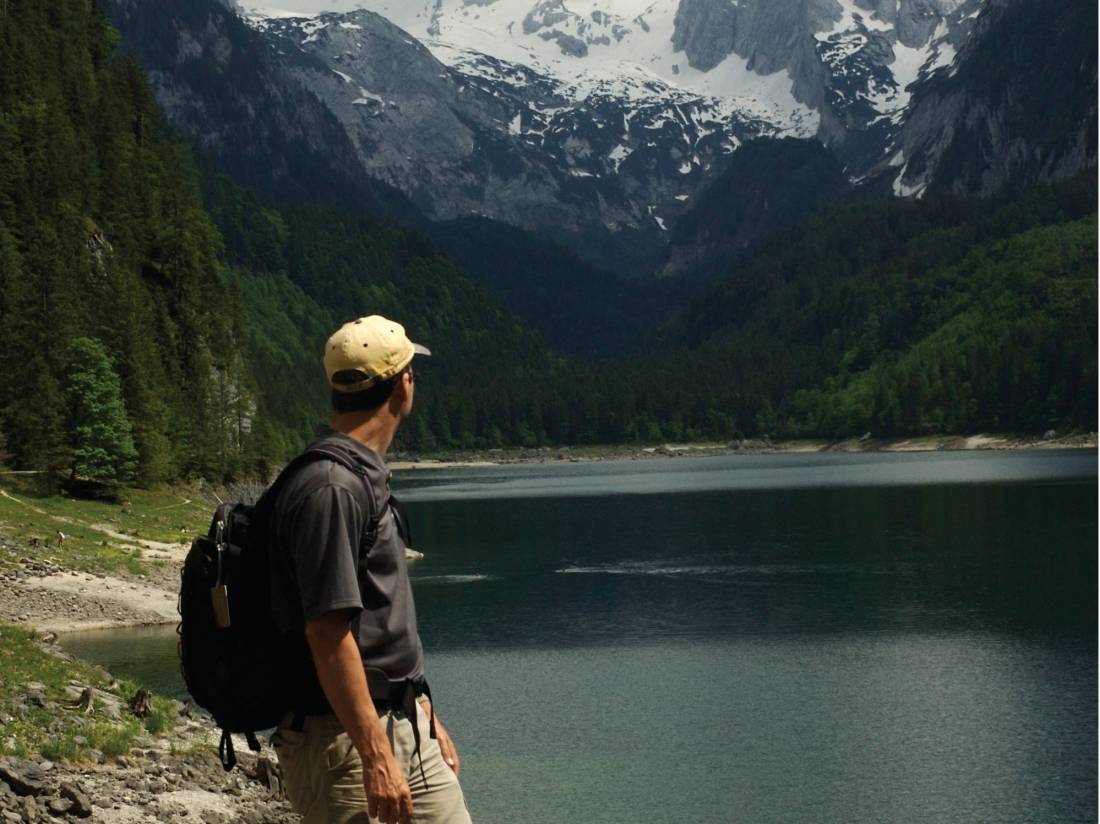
340	670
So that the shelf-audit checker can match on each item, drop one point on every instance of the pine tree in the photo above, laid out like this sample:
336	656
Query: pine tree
102	442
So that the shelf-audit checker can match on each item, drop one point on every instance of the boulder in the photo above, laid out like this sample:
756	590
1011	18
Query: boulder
23	777
81	803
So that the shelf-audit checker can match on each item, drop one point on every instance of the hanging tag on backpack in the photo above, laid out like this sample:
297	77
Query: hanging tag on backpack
219	597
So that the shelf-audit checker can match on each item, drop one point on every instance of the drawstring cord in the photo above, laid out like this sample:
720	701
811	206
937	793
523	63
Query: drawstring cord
410	691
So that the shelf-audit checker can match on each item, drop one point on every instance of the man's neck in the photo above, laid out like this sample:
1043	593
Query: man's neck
373	431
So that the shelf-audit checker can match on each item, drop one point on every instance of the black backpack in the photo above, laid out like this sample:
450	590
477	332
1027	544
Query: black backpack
232	657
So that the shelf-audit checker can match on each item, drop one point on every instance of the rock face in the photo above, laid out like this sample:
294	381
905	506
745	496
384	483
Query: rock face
484	136
979	127
852	62
217	84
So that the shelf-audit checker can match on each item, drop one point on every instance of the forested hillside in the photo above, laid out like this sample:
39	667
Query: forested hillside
103	236
200	357
903	317
769	184
302	270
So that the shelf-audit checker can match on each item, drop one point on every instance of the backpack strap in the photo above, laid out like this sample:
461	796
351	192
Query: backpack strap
343	458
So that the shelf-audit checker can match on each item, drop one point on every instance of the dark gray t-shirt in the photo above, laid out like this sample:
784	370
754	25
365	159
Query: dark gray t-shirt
320	520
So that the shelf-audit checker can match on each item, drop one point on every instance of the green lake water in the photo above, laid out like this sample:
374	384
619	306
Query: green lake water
778	638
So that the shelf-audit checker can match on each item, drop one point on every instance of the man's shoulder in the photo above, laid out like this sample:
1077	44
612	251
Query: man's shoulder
331	461
310	477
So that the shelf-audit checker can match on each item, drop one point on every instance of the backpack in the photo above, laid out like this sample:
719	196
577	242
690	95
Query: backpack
232	657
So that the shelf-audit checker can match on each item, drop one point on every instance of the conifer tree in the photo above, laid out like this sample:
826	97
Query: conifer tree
102	442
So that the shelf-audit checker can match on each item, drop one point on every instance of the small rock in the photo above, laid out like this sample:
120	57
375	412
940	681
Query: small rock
58	806
28	810
81	804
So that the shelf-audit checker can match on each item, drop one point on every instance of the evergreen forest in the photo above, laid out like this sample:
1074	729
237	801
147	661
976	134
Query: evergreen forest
162	322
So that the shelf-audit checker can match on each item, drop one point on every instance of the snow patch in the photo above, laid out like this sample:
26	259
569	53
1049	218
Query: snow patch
945	56
367	97
900	187
618	155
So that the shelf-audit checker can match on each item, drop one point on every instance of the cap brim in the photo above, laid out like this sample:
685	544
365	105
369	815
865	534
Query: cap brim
421	350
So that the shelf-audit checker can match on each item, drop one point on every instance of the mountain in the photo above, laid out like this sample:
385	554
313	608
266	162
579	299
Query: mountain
600	128
596	129
1017	107
603	166
830	68
578	309
219	86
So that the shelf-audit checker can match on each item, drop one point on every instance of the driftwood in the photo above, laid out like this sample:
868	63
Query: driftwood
142	703
267	773
84	702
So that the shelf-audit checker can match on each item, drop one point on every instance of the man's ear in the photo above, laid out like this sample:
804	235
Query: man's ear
401	390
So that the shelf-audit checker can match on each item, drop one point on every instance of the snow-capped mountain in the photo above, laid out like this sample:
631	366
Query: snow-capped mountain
568	156
574	118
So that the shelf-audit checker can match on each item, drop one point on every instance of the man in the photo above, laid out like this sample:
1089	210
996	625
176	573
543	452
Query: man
365	740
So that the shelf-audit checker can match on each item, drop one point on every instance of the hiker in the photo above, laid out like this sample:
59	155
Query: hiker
365	738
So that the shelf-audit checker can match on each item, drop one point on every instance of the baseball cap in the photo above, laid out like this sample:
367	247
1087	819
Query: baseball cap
367	351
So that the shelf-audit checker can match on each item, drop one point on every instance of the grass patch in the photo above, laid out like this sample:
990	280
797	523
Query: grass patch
59	731
100	536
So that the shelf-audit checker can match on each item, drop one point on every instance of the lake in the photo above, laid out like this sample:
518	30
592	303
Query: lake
774	638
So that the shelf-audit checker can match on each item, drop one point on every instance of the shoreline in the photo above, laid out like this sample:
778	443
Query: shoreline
488	458
45	594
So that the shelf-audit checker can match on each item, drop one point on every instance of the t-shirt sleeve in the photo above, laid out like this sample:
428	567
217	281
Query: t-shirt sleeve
323	538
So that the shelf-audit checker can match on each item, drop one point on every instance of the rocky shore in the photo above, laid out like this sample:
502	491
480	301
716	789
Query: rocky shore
171	776
742	446
42	594
151	784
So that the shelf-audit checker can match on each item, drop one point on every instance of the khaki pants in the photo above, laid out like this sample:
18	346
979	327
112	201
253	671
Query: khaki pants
323	775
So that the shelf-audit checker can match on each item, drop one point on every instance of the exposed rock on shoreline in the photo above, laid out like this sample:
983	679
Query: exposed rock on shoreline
49	598
88	753
750	446
151	784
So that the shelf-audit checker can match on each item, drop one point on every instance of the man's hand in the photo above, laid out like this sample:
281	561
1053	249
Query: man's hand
388	796
446	745
340	670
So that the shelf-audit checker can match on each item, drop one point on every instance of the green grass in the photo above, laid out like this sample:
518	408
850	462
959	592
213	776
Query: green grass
66	733
100	536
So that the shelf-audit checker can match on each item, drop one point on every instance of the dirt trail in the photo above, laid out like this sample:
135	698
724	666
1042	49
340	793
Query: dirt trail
156	550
